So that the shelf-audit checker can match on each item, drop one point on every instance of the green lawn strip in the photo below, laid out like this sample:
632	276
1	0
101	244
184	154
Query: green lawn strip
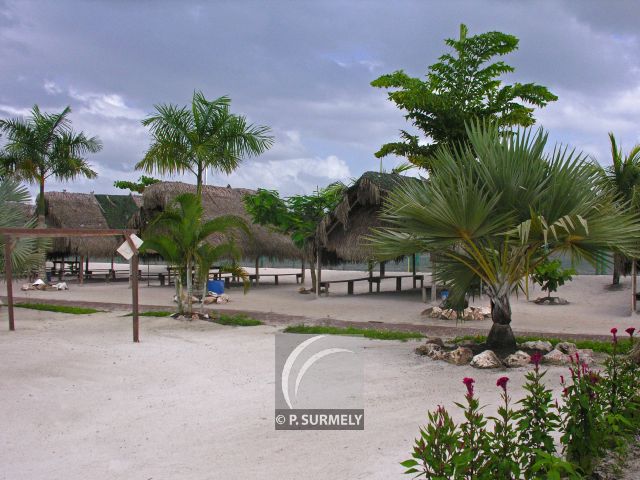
238	320
601	346
365	332
151	313
45	307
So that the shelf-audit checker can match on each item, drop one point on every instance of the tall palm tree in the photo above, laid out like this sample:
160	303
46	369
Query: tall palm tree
495	209
45	146
179	234
623	178
205	136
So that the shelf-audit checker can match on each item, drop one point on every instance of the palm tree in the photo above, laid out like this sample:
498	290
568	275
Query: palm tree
206	136
45	146
27	252
179	234
496	209
623	178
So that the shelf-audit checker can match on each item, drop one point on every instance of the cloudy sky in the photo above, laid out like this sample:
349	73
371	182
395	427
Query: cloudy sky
303	68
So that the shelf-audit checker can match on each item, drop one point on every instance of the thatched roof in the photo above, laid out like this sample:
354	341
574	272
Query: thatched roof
78	210
343	230
218	201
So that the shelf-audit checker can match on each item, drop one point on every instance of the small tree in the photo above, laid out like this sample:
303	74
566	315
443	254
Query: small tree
297	216
464	85
550	275
139	186
178	235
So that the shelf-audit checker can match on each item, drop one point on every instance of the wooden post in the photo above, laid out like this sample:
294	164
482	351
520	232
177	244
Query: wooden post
8	276
61	269
86	263
382	269
81	270
319	275
257	270
134	297
413	269
634	286
134	288
434	294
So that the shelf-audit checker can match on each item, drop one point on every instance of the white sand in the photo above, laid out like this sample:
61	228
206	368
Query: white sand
593	308
195	400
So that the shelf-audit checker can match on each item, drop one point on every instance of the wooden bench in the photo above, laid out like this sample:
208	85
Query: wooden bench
254	278
326	284
373	279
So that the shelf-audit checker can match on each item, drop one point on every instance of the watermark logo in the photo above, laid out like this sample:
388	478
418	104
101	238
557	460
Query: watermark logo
319	382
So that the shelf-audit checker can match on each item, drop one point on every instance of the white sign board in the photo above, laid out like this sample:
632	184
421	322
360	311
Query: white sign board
125	249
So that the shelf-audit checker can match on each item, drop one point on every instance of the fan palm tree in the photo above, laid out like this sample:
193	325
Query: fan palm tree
623	178
495	209
205	136
179	234
27	252
45	146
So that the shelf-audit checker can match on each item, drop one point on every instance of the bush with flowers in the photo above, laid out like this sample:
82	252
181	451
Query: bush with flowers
598	411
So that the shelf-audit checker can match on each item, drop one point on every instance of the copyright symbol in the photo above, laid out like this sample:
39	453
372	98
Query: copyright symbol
280	419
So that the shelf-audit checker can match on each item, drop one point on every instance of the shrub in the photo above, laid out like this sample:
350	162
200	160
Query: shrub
550	275
599	411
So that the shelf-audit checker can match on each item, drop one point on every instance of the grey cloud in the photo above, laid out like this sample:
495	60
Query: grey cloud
304	68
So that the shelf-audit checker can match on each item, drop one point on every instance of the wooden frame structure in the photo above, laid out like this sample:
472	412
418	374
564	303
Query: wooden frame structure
10	234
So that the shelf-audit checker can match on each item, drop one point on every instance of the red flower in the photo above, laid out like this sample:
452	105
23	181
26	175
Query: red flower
562	379
630	331
469	384
614	332
502	383
536	358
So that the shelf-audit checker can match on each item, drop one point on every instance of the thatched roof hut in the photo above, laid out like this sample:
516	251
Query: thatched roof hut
77	210
218	201
343	230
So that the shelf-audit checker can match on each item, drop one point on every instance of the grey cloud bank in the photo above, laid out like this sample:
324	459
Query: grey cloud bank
304	69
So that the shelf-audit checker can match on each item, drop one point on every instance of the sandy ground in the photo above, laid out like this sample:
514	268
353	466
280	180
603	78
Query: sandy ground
195	400
594	308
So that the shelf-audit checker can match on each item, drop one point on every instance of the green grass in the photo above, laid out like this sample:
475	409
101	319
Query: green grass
364	332
601	346
238	320
152	313
45	307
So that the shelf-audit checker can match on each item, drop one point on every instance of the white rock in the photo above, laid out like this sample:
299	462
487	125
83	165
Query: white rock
486	359
567	347
518	359
431	350
556	357
459	356
538	345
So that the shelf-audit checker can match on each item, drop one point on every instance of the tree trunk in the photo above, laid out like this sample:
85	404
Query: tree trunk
179	292
312	270
302	278
618	266
501	339
42	267
189	288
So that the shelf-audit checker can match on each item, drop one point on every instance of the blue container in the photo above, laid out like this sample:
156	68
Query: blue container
215	286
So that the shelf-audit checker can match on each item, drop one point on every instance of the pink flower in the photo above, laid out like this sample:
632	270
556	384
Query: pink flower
614	332
502	383
535	358
469	384
630	331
